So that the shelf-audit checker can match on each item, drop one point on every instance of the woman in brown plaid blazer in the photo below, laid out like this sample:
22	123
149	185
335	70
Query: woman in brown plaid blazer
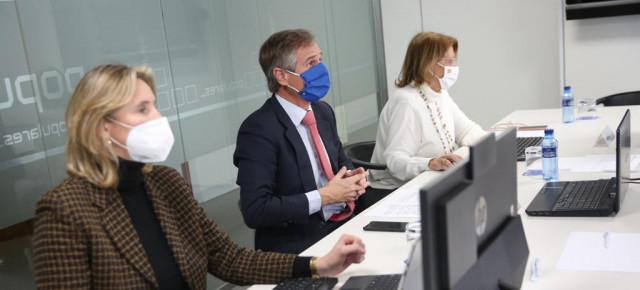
118	222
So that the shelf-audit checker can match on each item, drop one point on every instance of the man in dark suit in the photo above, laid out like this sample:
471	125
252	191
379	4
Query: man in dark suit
296	184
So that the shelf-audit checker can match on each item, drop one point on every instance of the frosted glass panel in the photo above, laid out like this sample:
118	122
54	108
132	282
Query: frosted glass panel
205	58
213	47
204	54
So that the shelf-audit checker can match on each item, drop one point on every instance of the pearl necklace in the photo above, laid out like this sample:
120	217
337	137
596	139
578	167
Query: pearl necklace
450	141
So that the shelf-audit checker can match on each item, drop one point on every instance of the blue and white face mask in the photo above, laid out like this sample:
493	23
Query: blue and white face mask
316	83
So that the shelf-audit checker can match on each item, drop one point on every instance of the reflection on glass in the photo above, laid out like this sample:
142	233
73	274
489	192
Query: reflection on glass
204	56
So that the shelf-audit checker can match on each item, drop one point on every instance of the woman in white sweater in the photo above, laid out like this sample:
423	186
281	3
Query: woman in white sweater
421	126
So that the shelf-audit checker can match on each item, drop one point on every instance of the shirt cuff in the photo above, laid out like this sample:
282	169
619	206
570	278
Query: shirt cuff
301	267
315	201
331	209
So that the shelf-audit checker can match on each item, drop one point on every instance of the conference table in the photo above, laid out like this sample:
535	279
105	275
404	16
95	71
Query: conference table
546	236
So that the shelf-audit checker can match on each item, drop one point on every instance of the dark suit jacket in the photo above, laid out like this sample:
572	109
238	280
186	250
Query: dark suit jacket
84	239
274	172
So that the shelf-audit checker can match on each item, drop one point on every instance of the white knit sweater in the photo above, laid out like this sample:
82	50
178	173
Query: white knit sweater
407	138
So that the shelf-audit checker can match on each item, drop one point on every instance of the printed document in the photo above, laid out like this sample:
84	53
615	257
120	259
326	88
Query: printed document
403	203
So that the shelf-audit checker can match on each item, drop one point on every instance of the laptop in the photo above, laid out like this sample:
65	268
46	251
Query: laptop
410	279
589	197
524	142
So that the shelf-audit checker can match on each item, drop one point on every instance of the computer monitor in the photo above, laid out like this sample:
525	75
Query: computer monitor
623	155
472	237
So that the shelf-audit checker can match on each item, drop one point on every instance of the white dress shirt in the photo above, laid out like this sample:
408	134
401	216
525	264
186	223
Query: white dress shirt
296	114
407	138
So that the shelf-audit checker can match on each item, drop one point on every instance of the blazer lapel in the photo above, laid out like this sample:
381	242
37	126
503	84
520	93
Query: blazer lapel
117	224
167	217
305	170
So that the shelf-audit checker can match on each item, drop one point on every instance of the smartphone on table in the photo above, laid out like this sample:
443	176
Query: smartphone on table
382	226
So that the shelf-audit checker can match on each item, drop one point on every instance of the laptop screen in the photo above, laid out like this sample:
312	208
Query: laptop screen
623	156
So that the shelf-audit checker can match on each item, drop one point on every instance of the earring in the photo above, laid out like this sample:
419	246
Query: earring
109	141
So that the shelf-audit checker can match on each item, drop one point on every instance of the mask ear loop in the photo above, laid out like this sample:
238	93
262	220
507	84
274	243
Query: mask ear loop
119	123
295	74
117	143
434	75
111	139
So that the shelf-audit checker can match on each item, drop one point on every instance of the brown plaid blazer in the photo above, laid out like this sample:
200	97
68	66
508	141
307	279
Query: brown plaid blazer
84	239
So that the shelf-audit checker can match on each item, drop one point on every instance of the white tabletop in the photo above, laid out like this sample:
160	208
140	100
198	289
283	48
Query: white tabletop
546	236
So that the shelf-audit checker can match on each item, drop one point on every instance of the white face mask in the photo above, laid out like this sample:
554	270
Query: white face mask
148	142
449	78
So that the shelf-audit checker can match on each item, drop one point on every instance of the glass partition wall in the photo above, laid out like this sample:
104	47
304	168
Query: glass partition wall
204	54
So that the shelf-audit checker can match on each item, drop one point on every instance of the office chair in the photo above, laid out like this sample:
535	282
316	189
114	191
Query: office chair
360	154
621	99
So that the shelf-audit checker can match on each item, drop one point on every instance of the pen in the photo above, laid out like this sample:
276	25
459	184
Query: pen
532	128
607	239
535	268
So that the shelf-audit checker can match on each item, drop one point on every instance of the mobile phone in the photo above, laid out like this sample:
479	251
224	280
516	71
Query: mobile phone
380	226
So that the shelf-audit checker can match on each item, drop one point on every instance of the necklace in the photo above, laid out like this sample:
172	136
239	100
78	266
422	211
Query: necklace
450	141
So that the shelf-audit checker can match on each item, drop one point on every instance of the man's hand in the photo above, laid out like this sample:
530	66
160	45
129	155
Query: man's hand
342	188
361	182
444	162
348	250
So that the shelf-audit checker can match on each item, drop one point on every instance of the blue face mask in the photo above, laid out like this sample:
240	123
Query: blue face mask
316	83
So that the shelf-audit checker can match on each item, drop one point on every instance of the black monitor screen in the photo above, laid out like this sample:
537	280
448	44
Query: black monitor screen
623	157
464	213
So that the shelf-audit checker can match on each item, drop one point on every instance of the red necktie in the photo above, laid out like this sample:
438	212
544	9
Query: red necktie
309	120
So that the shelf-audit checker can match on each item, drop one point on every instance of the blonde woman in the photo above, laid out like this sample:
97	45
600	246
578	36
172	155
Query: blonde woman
421	126
119	222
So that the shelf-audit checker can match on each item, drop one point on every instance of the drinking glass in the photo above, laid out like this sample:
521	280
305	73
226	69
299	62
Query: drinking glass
587	109
413	230
533	160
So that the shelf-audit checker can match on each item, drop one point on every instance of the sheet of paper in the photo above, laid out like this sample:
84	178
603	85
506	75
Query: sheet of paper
564	163
601	163
534	133
586	251
403	203
568	163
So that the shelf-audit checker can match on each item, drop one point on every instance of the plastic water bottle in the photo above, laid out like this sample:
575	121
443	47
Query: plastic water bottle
549	156
567	105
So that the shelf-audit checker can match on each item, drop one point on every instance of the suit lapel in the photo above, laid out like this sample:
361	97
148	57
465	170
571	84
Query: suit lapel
117	224
305	170
167	217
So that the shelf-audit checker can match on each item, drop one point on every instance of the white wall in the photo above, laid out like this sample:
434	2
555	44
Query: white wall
602	55
401	20
509	51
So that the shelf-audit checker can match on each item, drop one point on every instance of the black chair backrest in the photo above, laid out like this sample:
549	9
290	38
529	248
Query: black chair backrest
360	154
621	99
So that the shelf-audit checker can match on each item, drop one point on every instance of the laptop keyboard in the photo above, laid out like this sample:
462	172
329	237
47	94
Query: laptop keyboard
581	195
307	283
384	282
524	142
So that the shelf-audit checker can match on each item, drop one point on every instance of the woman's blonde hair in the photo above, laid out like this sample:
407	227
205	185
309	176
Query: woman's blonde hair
424	50
100	92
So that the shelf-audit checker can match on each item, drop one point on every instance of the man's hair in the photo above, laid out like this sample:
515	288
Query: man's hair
424	50
279	50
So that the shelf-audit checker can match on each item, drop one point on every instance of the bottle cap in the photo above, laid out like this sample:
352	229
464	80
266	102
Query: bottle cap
548	131
567	88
